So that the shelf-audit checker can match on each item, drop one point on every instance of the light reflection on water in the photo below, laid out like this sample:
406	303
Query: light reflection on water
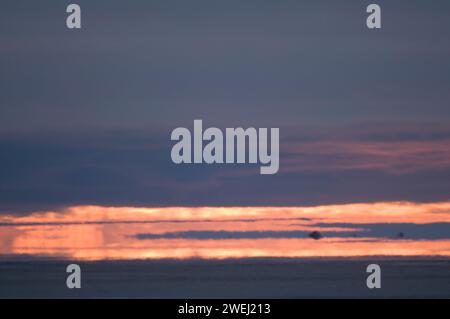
98	233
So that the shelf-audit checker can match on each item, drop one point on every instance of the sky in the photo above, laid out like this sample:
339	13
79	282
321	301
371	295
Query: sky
86	115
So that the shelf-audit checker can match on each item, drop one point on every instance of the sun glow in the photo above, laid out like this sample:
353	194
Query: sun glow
98	233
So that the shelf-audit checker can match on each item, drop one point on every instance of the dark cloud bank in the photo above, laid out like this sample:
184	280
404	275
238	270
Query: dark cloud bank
134	168
388	231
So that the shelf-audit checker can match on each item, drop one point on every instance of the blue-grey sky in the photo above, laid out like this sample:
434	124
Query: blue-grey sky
86	115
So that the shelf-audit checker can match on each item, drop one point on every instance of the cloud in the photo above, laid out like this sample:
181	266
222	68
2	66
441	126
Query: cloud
133	168
393	230
408	230
390	156
216	235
